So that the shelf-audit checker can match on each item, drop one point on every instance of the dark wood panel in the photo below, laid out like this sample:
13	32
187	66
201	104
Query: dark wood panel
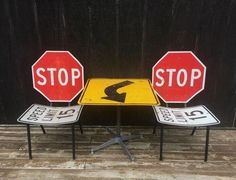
117	38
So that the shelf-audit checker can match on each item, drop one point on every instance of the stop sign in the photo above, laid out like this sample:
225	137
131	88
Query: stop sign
58	76
178	76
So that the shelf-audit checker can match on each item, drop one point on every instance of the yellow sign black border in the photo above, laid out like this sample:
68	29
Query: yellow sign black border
80	101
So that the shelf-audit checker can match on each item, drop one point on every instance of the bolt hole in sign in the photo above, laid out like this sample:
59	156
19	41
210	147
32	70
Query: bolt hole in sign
58	76
178	76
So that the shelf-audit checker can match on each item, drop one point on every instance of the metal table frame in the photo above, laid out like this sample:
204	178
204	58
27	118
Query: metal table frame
103	91
117	137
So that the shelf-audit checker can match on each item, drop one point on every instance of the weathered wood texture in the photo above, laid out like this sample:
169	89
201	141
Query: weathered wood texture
52	155
117	38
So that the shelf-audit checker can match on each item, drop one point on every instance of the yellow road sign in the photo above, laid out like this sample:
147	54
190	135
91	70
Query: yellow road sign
118	92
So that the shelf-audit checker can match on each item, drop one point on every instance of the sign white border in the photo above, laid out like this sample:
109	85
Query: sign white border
79	107
60	100
204	76
183	110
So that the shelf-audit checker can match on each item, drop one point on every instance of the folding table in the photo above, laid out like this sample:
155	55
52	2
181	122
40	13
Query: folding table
118	92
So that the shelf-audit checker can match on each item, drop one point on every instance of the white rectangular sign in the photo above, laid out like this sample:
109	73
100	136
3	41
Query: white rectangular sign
190	116
47	115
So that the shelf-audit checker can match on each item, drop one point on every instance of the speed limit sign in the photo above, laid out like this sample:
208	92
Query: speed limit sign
47	115
190	116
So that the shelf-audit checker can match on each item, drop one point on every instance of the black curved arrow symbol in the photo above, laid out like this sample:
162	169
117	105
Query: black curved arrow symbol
113	95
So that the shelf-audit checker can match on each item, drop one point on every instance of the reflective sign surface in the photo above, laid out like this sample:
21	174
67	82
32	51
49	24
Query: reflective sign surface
190	116
46	115
118	92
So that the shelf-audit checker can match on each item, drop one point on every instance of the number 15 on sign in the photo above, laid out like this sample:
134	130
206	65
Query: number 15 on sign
192	116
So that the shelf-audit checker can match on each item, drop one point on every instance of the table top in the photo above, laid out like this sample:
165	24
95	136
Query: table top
104	91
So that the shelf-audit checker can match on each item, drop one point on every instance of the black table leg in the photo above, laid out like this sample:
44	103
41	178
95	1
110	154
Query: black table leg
161	142
154	129
117	138
44	132
73	140
193	131
207	143
29	141
81	128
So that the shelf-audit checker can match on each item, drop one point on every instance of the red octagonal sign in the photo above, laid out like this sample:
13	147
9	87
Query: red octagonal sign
178	76
58	76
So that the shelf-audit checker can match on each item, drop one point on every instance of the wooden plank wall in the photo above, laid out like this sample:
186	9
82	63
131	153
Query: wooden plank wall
117	38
